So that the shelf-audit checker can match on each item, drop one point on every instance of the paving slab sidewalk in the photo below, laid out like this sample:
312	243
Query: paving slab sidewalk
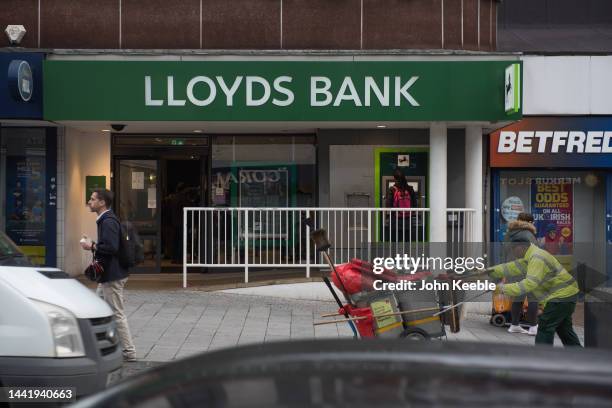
172	324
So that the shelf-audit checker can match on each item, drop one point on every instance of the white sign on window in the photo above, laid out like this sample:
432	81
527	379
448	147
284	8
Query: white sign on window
511	208
137	180
152	198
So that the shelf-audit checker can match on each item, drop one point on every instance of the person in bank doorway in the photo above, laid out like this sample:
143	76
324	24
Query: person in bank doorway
523	226
548	281
106	250
400	195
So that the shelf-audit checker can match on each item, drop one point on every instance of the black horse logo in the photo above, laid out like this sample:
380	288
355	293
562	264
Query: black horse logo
508	86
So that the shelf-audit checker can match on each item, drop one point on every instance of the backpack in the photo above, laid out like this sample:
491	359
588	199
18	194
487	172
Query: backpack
401	198
131	249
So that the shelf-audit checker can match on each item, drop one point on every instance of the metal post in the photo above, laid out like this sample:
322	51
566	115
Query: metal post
369	258
184	248
246	246
307	246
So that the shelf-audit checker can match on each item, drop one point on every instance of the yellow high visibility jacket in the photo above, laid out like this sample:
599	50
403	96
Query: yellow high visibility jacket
542	274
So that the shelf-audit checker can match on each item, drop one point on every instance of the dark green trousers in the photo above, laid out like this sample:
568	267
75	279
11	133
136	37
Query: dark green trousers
557	317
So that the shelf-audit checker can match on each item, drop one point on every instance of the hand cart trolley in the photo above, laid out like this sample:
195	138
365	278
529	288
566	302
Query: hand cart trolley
412	314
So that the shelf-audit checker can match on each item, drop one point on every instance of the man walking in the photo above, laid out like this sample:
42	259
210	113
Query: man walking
106	251
549	282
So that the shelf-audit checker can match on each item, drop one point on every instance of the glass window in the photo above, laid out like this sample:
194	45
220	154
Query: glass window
571	201
23	188
569	210
263	171
137	200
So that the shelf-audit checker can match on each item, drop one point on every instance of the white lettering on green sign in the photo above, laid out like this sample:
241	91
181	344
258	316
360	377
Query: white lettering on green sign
561	141
203	91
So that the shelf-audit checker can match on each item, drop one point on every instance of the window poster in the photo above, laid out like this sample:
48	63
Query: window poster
552	207
25	204
137	180
152	197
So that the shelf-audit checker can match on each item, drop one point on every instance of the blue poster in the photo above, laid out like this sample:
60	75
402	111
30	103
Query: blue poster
552	207
25	201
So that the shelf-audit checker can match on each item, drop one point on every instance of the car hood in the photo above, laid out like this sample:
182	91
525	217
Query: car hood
40	284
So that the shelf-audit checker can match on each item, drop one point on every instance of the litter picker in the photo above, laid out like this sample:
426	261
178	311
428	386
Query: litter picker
450	307
319	238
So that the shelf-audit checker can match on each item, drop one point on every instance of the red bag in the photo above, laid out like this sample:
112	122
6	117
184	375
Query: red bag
352	280
365	326
367	268
358	276
94	270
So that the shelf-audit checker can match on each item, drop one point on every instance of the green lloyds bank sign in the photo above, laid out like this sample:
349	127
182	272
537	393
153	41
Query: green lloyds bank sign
276	90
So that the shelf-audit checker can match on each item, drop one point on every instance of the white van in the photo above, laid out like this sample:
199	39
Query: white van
54	332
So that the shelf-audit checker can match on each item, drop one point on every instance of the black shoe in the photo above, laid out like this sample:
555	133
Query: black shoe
129	359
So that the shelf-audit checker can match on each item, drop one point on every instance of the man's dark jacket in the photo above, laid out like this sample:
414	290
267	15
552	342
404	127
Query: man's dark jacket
107	247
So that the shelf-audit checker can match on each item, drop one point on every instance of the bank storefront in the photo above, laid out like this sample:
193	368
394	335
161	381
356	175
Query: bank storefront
307	133
28	160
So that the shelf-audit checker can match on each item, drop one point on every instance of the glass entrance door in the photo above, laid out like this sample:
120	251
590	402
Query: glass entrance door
151	195
138	203
181	186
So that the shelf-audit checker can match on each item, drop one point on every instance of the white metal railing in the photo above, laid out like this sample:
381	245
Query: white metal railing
460	230
460	222
279	238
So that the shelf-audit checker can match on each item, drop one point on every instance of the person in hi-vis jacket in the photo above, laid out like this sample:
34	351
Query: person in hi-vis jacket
548	281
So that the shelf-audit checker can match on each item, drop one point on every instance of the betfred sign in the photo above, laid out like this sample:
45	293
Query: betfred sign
561	141
553	142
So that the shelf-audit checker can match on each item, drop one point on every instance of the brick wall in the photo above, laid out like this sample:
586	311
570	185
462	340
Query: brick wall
255	24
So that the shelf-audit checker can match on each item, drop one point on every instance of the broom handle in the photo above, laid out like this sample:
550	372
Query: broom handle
333	268
429	309
446	309
350	319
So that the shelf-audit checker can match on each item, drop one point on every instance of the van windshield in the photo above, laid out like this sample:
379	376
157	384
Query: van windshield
10	255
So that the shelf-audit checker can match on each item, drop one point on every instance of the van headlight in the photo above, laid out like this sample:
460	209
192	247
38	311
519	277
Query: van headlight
65	329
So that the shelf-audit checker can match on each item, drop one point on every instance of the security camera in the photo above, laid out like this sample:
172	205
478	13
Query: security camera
118	127
15	33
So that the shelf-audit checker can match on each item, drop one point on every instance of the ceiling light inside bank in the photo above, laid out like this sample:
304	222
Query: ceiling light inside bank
106	130
381	126
197	131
